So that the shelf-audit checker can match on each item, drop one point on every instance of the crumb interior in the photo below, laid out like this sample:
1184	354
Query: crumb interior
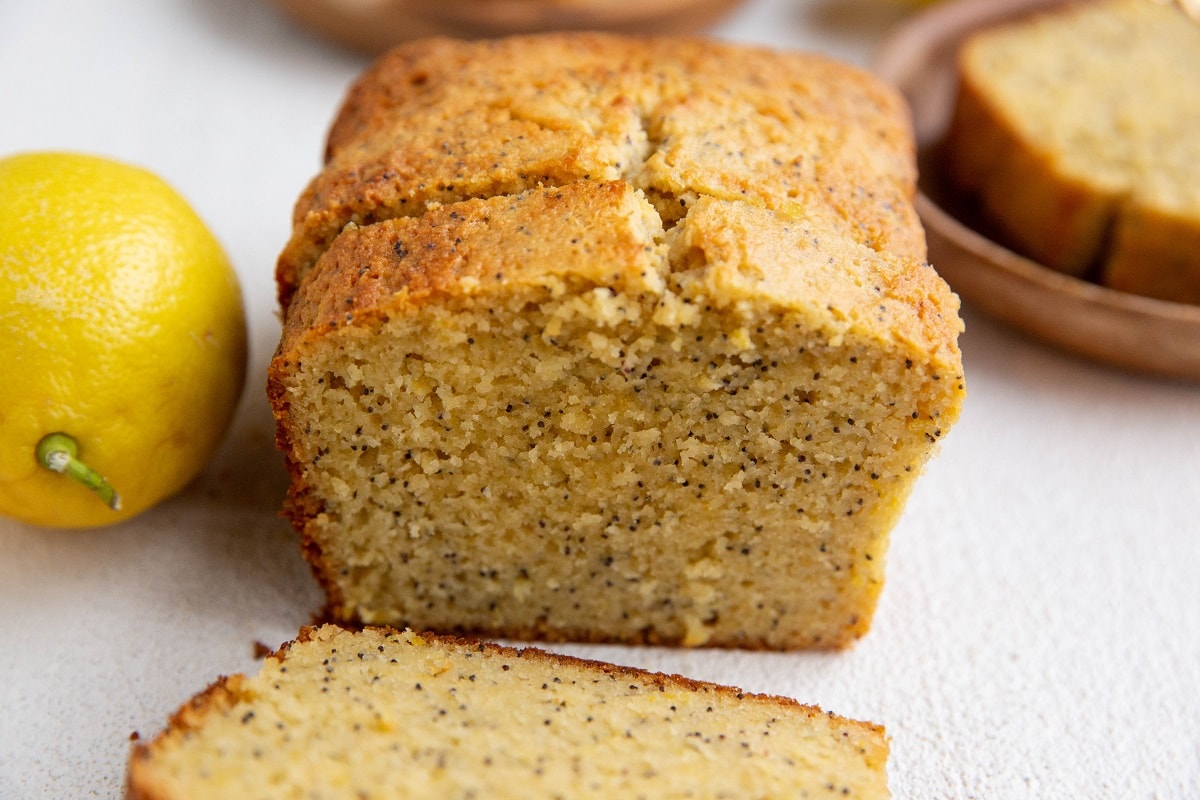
558	461
397	715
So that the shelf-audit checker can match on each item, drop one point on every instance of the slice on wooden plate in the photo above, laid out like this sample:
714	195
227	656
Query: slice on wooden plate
1146	335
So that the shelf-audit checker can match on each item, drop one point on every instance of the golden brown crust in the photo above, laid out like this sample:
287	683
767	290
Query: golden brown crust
438	121
403	263
473	247
220	696
1149	235
301	504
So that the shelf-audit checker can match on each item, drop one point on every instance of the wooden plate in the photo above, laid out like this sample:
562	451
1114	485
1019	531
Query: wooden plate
374	25
1137	333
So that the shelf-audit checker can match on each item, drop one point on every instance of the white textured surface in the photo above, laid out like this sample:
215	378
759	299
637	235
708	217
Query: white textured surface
1040	632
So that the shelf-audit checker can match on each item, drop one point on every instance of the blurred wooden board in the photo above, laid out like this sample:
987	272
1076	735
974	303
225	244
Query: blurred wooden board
374	25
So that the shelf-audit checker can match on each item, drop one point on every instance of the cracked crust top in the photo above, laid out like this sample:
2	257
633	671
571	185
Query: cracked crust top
441	120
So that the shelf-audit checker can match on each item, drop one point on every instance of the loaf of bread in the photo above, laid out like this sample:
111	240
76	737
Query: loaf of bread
606	339
385	714
1077	130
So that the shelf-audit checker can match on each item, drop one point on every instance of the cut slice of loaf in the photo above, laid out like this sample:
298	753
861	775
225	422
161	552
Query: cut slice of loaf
620	409
1076	129
385	714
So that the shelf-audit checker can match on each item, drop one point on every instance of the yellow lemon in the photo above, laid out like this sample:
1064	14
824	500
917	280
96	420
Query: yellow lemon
122	339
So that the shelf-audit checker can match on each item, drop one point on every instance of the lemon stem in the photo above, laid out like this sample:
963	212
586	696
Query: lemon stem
59	452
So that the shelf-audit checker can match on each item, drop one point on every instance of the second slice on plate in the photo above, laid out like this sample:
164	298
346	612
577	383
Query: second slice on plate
1075	129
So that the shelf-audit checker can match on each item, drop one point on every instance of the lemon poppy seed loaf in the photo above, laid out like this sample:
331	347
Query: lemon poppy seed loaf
385	714
1076	130
606	339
